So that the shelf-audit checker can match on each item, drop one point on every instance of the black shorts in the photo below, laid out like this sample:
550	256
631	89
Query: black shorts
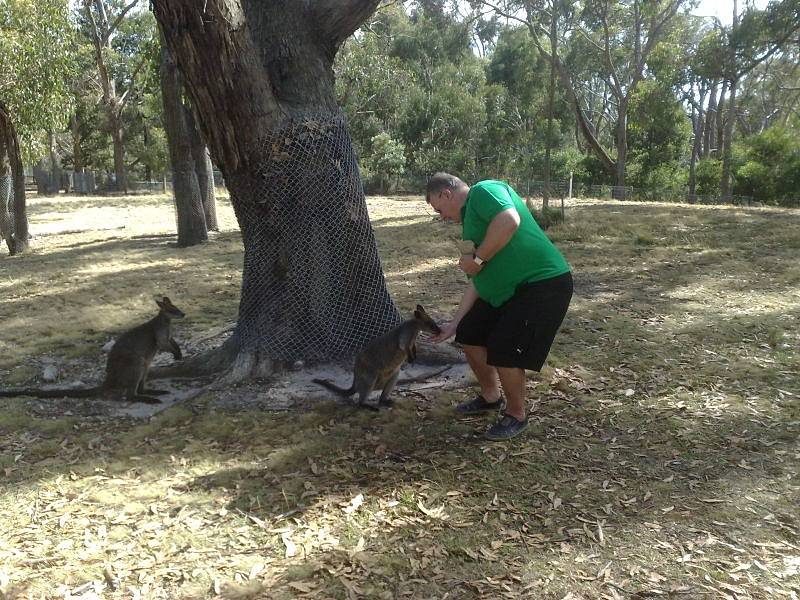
520	332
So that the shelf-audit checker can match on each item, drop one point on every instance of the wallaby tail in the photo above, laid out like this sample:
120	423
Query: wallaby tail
55	393
335	388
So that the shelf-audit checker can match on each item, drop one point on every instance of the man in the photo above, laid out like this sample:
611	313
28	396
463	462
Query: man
519	291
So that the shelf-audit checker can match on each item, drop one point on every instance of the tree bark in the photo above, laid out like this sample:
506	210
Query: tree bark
8	132
709	138
260	77
204	169
118	140
185	188
551	90
727	143
6	226
55	165
622	148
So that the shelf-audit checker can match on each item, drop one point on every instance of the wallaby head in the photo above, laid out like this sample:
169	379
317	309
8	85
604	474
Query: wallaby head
428	324
169	309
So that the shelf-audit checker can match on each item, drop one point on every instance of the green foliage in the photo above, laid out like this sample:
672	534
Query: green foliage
37	49
659	136
708	174
771	169
386	161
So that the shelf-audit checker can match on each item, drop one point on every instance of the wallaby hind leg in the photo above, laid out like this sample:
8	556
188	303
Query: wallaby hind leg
385	400
142	389
364	389
132	394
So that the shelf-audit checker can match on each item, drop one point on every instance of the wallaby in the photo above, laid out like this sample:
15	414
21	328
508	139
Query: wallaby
128	362
377	366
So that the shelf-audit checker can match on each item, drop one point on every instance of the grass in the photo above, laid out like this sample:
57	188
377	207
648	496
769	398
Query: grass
661	459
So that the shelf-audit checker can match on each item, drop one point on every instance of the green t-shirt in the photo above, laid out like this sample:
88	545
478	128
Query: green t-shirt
528	256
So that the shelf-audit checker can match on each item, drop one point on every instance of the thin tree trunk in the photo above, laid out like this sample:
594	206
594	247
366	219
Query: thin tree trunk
550	104
727	144
710	120
697	126
185	189
622	149
719	128
55	165
77	153
118	140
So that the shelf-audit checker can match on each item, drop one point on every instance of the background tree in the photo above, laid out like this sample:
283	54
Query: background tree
185	186
121	51
36	48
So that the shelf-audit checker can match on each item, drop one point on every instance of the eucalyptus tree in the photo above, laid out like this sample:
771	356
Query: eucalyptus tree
122	35
621	34
36	48
261	79
753	37
191	220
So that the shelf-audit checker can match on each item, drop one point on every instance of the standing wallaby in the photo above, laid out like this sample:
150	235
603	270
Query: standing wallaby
378	364
128	362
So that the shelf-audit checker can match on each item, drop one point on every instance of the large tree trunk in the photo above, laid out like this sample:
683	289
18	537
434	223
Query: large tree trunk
204	170
8	132
260	77
185	189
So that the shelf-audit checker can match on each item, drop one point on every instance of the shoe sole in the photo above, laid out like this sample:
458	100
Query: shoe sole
482	411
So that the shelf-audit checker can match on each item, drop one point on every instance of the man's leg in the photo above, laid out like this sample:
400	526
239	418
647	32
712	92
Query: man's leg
513	381
486	374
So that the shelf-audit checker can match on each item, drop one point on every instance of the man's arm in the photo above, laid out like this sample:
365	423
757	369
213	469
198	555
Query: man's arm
501	229
467	300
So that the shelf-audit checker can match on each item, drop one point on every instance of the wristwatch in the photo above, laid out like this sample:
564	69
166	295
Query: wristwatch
478	260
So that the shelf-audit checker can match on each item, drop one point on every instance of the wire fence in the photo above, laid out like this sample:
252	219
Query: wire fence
98	183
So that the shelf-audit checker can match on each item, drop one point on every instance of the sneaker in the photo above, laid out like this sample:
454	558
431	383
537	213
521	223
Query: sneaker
479	406
506	428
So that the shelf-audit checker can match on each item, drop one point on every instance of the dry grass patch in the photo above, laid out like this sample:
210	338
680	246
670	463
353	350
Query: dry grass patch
661	460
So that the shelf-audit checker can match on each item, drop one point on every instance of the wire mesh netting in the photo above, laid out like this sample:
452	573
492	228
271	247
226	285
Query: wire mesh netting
313	285
6	206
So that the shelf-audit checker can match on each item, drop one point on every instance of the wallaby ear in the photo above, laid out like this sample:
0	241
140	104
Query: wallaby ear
420	309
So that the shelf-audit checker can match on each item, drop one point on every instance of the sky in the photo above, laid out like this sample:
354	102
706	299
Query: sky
723	8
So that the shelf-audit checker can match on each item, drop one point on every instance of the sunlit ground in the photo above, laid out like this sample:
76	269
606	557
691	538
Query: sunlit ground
661	460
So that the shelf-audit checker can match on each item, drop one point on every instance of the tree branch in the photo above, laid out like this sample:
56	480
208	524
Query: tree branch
113	27
337	20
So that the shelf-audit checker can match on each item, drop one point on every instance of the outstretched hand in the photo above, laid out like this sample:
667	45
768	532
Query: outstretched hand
448	331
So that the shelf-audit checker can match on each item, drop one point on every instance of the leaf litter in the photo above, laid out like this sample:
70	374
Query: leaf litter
661	459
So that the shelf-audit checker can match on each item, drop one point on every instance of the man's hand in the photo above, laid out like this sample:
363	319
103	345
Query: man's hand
448	331
468	265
